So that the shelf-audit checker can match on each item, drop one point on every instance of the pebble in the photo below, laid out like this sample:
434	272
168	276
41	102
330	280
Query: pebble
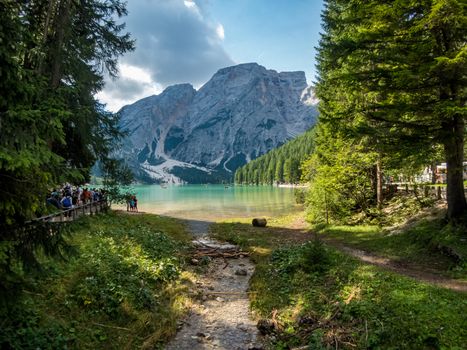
242	327
241	272
219	299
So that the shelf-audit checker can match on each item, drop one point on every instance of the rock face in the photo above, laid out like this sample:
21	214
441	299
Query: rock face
242	112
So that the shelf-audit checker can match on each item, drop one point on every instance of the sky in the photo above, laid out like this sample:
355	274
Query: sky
187	41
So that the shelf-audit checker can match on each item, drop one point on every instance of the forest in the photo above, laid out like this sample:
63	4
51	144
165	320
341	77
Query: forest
280	165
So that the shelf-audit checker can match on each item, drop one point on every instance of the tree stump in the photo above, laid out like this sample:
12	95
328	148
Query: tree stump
259	222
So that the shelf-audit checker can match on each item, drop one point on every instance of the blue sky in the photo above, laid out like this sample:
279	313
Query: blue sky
187	41
278	34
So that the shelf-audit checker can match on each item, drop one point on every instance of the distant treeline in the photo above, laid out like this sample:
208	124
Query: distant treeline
280	165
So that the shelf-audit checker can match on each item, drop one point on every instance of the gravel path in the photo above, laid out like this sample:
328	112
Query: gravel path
221	317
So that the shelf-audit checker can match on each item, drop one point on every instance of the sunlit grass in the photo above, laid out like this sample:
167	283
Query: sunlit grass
339	299
424	244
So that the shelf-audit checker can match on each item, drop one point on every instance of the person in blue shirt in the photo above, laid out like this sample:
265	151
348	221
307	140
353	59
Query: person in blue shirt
66	202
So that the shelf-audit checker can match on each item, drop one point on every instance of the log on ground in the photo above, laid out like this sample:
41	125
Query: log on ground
259	222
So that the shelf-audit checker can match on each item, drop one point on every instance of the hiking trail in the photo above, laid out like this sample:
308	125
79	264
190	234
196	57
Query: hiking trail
220	318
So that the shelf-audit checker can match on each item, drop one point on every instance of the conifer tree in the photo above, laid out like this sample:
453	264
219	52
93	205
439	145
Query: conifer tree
53	54
396	71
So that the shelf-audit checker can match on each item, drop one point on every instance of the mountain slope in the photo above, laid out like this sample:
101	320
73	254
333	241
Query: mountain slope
242	112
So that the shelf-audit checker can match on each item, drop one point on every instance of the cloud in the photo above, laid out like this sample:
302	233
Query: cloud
220	31
133	84
176	42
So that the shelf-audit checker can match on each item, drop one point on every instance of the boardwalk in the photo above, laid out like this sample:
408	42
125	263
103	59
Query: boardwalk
73	213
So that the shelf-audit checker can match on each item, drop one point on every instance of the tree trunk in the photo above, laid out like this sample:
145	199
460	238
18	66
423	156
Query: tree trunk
50	10
379	184
454	153
433	173
60	28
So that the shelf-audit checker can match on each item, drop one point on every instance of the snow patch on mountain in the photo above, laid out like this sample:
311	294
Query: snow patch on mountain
162	172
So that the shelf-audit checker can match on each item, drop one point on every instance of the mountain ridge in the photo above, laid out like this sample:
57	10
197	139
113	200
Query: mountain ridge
188	135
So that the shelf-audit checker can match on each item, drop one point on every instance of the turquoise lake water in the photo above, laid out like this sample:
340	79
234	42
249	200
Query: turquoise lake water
213	202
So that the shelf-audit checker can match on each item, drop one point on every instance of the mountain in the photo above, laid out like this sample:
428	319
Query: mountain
242	112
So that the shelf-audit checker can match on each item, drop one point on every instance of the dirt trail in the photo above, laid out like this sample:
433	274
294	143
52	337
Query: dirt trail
221	317
416	272
398	267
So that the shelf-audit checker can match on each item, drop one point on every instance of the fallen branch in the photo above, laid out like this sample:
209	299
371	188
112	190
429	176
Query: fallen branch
114	327
206	245
226	264
220	254
231	293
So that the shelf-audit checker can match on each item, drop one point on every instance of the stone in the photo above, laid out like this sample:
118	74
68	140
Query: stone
265	327
242	327
241	272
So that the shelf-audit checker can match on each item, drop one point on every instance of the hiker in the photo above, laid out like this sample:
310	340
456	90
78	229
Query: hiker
53	201
136	203
67	203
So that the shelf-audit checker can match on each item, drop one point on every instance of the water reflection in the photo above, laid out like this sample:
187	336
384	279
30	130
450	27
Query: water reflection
215	201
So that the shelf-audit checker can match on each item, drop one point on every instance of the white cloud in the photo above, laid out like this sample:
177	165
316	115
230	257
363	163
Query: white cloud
176	42
133	84
220	31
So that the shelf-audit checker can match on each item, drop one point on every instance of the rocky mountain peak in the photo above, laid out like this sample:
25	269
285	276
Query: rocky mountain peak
242	112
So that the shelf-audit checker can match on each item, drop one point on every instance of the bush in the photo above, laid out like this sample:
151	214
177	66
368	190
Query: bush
309	257
300	195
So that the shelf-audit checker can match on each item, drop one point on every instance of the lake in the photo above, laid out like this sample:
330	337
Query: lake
213	202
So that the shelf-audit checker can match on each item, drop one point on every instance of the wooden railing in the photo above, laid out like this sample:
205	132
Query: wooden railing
71	214
423	189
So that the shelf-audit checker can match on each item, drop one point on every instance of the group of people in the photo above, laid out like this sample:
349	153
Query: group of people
132	204
69	196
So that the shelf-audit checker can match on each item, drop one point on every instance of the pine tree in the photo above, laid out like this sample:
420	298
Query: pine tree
395	71
53	55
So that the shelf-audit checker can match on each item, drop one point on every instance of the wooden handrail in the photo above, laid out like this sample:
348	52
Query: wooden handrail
73	212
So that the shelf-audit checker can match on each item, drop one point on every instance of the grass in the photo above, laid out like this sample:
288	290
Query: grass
319	297
430	245
123	288
408	230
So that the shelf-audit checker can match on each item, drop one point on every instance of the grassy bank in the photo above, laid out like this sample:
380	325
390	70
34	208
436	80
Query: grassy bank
314	295
123	288
429	245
